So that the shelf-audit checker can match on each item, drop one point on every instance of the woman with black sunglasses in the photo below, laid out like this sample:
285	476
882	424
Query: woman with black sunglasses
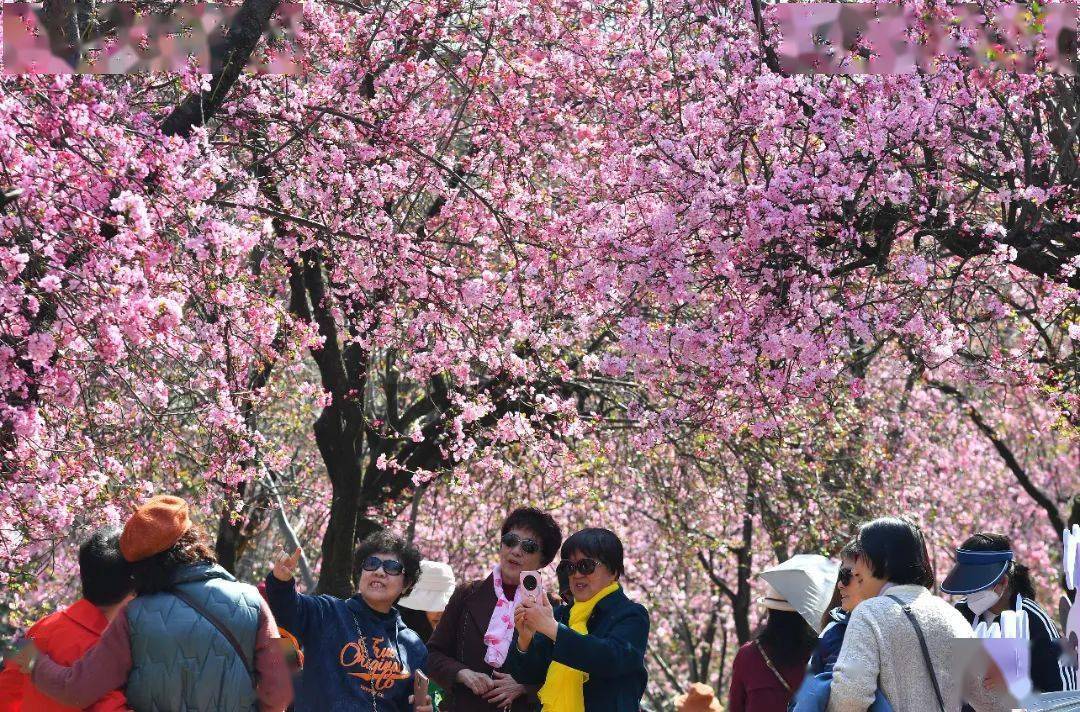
469	646
589	655
358	654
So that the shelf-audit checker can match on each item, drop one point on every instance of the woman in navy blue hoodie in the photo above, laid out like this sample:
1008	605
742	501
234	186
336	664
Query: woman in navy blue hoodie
358	653
813	695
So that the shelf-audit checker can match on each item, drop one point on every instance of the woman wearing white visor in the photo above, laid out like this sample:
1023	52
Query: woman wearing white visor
989	578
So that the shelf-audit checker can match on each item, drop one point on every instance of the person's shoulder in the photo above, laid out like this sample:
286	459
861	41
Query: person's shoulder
411	639
633	608
1039	621
245	589
46	623
470	587
747	654
873	612
873	608
48	628
946	613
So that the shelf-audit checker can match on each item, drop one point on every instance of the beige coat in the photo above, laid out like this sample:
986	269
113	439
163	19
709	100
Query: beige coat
881	650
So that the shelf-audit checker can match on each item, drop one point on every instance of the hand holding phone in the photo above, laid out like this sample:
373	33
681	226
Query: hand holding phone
532	584
420	689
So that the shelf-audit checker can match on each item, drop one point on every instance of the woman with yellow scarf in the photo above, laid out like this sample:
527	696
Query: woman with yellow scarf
589	655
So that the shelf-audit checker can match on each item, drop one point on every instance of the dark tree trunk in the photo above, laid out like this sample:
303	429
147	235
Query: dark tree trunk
62	23
227	546
744	556
339	439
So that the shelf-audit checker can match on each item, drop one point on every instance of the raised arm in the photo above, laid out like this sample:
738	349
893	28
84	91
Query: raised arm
297	613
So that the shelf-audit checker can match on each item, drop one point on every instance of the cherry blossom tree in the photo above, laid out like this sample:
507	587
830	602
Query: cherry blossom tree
602	257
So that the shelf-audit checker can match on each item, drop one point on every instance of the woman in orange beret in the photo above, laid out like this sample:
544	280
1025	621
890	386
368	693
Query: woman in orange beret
193	637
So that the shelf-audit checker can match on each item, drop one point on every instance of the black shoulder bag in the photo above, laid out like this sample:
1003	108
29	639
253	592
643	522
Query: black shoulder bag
925	650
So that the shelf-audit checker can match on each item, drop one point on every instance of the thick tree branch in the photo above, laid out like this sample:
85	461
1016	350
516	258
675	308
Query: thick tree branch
1007	455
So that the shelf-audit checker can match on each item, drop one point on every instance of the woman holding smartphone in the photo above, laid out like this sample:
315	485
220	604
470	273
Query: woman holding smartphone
468	649
589	655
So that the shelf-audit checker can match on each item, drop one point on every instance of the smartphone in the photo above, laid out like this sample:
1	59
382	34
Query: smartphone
420	688
533	583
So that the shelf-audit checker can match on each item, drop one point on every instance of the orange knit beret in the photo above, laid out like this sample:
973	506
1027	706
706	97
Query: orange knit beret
154	527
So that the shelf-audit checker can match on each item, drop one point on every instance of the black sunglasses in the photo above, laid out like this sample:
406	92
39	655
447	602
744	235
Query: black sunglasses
583	567
390	566
844	575
510	540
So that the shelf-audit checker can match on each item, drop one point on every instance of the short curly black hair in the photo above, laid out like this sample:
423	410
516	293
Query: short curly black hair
105	574
386	542
539	523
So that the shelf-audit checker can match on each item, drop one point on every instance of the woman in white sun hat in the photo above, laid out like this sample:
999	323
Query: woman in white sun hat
768	669
422	609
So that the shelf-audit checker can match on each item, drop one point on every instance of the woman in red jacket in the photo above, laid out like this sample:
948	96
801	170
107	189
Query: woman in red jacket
769	668
65	635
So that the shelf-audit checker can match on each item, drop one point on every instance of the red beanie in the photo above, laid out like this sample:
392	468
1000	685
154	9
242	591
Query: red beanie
154	527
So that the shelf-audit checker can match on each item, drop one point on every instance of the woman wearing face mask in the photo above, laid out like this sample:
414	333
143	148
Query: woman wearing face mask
987	574
589	655
358	653
469	646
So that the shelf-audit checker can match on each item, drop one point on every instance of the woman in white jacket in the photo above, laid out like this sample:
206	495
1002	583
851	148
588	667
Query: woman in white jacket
882	647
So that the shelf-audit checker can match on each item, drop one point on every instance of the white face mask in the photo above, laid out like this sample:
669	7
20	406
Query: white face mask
981	601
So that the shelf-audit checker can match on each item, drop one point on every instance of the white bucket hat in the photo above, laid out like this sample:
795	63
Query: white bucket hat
804	583
433	589
774	600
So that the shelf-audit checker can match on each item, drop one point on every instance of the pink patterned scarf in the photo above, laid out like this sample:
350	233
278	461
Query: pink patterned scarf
500	630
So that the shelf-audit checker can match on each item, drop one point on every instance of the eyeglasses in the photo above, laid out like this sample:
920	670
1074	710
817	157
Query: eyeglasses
391	566
583	566
844	575
510	540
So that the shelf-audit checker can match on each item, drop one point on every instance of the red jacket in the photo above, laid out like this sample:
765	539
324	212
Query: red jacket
756	688
64	636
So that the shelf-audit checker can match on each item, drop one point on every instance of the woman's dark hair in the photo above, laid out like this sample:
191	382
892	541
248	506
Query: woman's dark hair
418	621
787	638
852	550
1019	575
155	573
894	550
105	575
384	542
565	593
539	523
598	543
826	617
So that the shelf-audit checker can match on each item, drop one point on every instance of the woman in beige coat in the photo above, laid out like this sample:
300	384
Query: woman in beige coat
902	638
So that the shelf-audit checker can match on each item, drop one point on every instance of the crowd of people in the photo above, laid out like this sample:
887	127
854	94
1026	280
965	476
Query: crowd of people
887	643
160	626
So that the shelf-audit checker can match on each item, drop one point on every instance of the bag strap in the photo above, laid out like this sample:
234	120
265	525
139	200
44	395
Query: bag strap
906	607
761	649
221	628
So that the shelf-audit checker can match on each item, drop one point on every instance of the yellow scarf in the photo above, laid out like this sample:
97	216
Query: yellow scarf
563	689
